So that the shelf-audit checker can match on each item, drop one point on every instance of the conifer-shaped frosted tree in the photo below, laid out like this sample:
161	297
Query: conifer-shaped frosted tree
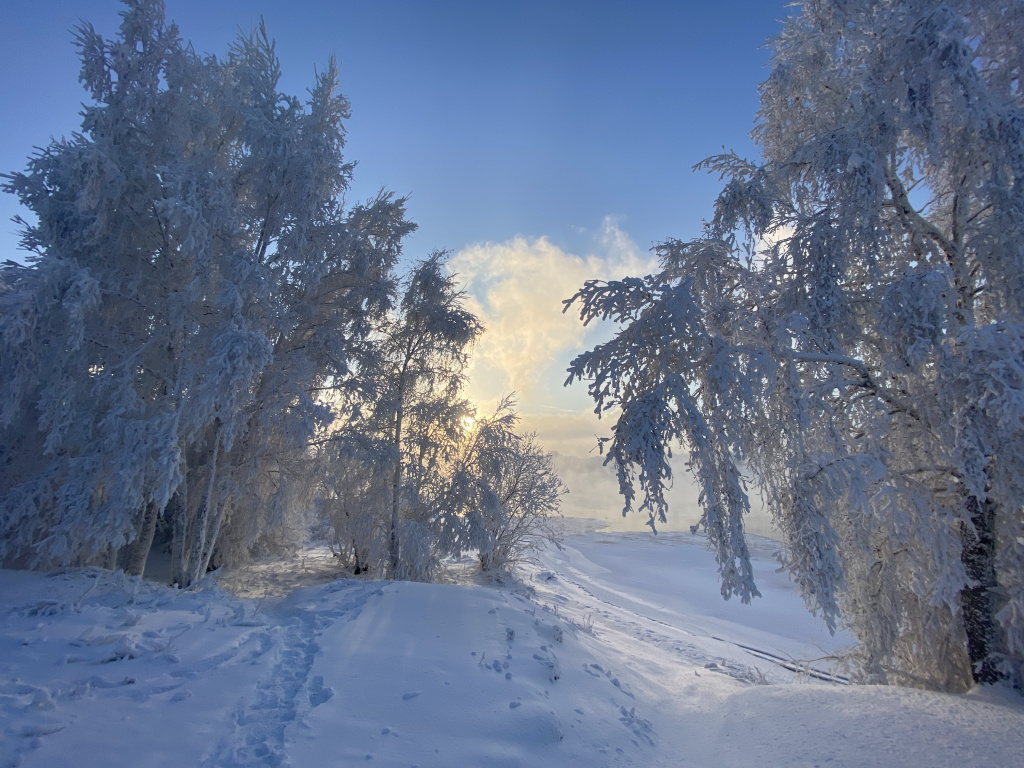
850	332
195	285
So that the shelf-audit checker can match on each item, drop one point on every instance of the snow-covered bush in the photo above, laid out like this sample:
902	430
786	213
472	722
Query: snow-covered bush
850	332
507	488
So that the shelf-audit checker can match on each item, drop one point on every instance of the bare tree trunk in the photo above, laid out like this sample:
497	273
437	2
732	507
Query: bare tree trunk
211	536
202	523
362	562
177	511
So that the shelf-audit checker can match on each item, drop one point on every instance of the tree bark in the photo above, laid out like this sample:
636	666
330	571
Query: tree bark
177	511
977	600
396	488
138	550
205	521
212	532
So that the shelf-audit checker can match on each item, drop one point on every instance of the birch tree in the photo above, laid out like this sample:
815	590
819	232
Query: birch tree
470	484
850	333
504	488
420	372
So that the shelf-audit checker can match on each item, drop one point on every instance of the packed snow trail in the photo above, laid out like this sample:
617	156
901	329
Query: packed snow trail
260	724
445	675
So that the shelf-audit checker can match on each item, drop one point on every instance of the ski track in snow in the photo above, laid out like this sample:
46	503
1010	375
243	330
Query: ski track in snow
626	620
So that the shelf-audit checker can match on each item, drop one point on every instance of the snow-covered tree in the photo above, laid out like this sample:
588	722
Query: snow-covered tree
505	488
413	475
355	500
195	286
850	335
416	373
474	484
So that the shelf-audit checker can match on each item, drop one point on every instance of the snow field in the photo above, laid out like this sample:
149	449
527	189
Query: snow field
614	651
103	670
654	607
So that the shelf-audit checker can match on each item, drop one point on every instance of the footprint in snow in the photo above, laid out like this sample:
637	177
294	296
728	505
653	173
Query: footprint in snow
32	730
411	695
318	692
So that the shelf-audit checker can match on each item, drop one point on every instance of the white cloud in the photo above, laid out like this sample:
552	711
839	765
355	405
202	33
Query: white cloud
517	289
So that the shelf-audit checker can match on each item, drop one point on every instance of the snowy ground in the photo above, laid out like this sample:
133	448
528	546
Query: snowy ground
616	650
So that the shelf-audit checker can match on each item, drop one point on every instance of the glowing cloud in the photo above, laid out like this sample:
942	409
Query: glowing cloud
517	289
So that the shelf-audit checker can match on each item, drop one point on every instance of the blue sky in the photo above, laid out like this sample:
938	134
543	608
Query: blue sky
501	119
543	143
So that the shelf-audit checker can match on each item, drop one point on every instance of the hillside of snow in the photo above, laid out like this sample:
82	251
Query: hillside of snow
615	650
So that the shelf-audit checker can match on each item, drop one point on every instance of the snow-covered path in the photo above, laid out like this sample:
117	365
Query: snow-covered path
452	675
286	692
616	650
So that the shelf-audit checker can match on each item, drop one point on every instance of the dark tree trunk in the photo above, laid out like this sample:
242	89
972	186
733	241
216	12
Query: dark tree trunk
177	511
977	600
362	563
